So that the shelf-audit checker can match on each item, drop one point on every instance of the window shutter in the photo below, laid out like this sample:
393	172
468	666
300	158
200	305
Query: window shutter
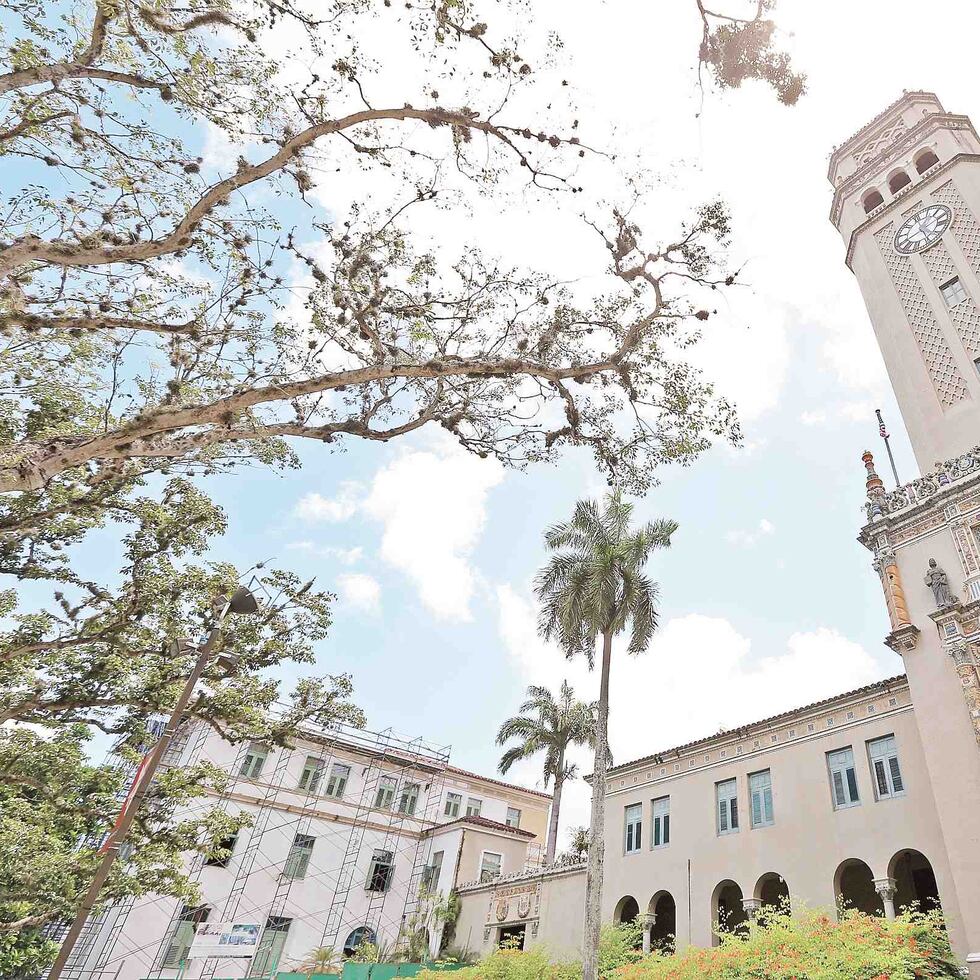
656	832
666	828
723	815
882	780
734	812
852	785
896	773
839	796
639	833
757	807
767	804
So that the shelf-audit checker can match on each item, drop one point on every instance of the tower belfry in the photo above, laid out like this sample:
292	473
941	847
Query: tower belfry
907	203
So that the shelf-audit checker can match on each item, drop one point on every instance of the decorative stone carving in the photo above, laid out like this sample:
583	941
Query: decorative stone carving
938	358
751	907
937	581
885	887
524	906
502	910
486	934
534	929
904	639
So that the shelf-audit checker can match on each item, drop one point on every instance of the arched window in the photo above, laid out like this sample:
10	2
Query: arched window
360	936
925	160
872	200
627	909
898	180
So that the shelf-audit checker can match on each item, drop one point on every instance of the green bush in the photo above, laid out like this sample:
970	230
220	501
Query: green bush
617	948
814	946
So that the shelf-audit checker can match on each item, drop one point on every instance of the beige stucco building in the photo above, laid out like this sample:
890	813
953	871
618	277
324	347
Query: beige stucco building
872	796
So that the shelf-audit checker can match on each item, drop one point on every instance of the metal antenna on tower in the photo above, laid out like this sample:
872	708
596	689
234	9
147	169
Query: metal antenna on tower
883	432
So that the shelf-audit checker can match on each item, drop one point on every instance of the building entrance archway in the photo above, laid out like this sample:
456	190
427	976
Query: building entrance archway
915	881
854	886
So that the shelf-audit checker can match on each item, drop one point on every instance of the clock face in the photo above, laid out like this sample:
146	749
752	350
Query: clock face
923	229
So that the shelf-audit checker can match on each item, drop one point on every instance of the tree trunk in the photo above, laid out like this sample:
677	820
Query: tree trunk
593	878
549	855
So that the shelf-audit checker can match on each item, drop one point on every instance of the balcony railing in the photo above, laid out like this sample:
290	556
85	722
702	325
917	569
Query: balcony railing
925	487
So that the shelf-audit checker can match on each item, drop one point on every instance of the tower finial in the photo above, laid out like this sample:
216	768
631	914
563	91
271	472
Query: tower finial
876	489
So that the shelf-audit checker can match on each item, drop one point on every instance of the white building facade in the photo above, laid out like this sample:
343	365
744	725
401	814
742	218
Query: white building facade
354	838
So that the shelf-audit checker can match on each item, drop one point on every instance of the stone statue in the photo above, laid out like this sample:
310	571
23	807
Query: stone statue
937	581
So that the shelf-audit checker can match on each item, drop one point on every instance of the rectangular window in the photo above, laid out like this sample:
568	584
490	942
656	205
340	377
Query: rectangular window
227	845
661	822
473	807
337	783
430	878
178	945
843	778
409	798
386	793
453	802
490	866
953	292
887	773
298	859
269	951
726	797
312	774
513	817
381	871
760	794
254	761
634	827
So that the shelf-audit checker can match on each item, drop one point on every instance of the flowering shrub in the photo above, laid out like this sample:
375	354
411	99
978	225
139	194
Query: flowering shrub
814	946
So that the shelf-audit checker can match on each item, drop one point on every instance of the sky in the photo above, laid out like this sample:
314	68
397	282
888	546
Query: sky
767	600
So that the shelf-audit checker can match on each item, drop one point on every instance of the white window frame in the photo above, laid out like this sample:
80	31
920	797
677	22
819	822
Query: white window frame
474	806
726	807
659	823
384	799
433	871
957	292
454	803
313	770
486	874
884	750
337	781
181	936
516	822
633	828
760	791
842	770
270	947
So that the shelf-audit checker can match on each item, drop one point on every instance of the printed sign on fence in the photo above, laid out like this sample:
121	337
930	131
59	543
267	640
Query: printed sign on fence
224	939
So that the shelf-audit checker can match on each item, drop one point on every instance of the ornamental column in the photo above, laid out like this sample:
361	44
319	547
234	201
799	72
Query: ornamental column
885	887
751	907
648	921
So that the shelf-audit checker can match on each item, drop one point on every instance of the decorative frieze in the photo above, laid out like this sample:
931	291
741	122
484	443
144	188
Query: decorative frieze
925	487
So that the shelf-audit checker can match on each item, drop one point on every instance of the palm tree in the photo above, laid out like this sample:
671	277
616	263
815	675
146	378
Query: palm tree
549	726
594	588
324	959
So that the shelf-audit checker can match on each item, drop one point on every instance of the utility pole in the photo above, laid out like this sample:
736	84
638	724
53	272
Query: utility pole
241	602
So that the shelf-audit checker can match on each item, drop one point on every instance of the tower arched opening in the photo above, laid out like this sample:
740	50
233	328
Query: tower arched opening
872	200
898	180
925	160
854	886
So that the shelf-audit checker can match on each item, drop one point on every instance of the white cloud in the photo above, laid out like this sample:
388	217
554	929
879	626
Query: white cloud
432	504
698	677
315	508
360	591
850	411
348	556
749	539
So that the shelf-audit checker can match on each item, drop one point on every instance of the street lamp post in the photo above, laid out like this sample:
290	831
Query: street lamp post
241	602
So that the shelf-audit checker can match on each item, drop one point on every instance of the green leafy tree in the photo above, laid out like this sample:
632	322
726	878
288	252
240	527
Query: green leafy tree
552	726
592	589
162	319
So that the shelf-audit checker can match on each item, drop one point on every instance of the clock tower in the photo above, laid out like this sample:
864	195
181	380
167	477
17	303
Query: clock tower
907	203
